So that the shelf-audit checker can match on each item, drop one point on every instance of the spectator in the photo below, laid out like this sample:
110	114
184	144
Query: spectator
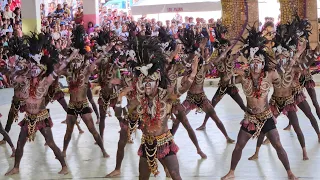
7	14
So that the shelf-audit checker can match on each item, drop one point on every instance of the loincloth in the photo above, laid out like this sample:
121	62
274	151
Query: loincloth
107	101
79	108
307	81
132	123
157	147
55	93
256	123
34	122
230	89
17	105
282	104
195	100
298	94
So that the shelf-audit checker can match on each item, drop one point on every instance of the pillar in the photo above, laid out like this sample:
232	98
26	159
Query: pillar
312	14
91	12
31	19
238	15
306	9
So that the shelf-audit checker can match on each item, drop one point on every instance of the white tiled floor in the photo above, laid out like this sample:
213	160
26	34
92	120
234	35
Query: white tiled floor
85	159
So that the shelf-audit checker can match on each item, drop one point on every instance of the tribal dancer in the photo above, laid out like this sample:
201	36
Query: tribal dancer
77	73
38	80
196	96
221	44
303	29
171	49
17	50
109	78
282	100
154	109
6	138
256	84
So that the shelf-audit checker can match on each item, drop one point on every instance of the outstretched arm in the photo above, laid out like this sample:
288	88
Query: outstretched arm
188	80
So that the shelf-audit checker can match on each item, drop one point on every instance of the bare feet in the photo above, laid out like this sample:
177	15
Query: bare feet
230	141
288	128
63	122
105	155
12	172
230	175
114	173
202	127
254	157
304	154
265	142
291	176
203	155
81	131
3	142
64	170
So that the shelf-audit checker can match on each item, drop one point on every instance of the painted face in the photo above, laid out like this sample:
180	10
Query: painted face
282	60
256	65
76	64
35	71
150	86
301	44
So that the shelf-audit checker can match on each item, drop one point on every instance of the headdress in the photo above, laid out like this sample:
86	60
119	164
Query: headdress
219	40
146	58
42	52
190	40
302	28
254	45
78	39
167	42
284	41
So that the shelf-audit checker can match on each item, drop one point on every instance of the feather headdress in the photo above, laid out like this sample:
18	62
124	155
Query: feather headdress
190	40
302	28
78	39
220	40
254	45
145	57
167	42
18	47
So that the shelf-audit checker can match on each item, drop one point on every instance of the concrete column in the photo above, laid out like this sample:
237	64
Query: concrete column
90	12
312	15
31	19
306	9
237	15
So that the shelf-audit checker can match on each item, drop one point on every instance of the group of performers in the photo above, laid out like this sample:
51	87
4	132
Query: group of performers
143	78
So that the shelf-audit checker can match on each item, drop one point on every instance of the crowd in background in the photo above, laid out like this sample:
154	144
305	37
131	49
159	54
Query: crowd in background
60	19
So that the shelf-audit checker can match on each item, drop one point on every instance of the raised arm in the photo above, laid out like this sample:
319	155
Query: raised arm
187	81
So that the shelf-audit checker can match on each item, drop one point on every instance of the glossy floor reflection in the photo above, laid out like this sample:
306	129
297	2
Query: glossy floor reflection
85	159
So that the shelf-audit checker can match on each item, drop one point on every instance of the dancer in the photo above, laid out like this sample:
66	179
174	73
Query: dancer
109	78
171	48
220	45
196	96
18	51
55	94
77	73
154	110
256	83
37	117
303	29
282	99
